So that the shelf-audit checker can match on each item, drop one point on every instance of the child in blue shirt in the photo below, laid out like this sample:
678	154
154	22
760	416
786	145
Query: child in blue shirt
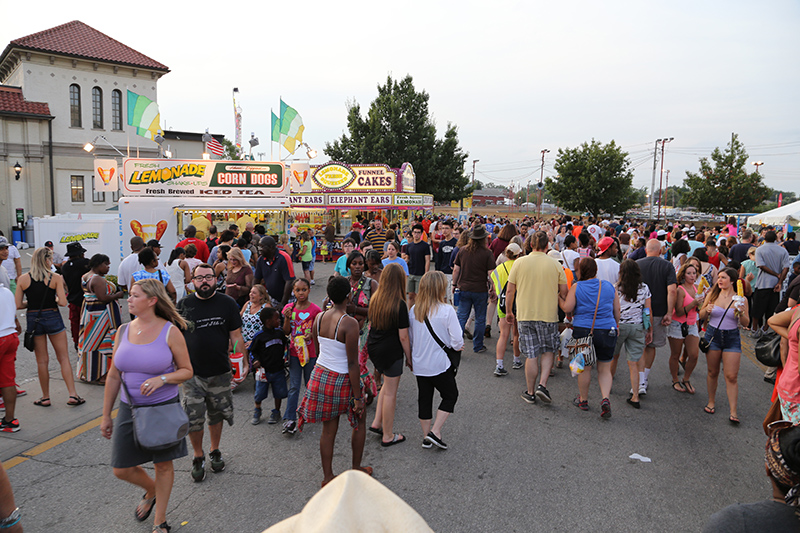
268	353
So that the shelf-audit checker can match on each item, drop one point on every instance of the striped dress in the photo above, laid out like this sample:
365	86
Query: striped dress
99	323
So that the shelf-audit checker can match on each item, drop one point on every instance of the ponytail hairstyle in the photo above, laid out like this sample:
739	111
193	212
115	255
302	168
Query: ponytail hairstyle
164	306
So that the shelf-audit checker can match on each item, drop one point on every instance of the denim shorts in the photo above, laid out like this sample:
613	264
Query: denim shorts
725	340
604	340
50	322
306	265
279	388
674	330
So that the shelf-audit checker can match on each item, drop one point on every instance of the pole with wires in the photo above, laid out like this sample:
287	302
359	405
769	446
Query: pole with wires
653	183
661	179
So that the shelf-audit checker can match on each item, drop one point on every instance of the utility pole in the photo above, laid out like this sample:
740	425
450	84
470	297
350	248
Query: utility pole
666	195
540	187
474	162
653	184
660	180
528	197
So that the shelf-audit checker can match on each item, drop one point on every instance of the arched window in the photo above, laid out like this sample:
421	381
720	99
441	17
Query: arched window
75	106
116	109
97	108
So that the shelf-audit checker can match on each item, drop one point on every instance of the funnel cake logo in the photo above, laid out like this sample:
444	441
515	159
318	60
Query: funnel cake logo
106	174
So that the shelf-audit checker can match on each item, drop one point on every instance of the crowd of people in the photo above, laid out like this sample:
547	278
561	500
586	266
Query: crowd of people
560	291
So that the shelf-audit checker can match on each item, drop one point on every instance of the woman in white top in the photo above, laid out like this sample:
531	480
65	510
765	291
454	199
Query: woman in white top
430	363
334	388
179	272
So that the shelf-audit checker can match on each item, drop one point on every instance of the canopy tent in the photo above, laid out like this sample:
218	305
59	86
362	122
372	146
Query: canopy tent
787	214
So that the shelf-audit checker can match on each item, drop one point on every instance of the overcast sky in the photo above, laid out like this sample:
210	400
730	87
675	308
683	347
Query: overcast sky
515	77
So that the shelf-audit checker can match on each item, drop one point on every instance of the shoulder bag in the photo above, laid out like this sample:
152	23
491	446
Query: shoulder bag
28	340
585	345
768	349
157	427
452	354
705	342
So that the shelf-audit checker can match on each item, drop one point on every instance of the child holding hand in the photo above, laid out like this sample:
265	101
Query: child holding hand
267	351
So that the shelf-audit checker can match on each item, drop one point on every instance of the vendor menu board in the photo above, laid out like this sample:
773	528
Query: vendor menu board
176	177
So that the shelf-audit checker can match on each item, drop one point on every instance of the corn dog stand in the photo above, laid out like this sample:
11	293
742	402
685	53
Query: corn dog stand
160	197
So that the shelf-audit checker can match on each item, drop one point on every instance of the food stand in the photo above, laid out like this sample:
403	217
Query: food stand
160	197
340	192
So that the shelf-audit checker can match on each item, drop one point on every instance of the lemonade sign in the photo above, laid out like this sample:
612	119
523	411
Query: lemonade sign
333	176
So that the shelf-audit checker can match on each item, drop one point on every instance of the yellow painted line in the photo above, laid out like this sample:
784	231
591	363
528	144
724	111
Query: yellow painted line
55	441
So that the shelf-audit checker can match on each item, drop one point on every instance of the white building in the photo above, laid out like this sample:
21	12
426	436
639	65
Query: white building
59	89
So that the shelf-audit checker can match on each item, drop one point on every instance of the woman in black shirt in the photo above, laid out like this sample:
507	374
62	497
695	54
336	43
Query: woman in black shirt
388	342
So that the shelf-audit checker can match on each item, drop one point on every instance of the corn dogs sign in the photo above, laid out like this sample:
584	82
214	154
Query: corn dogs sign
175	177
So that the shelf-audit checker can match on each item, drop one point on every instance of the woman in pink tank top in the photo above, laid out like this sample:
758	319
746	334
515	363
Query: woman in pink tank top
151	357
787	325
683	333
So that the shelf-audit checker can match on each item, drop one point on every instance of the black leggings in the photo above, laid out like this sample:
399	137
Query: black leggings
445	383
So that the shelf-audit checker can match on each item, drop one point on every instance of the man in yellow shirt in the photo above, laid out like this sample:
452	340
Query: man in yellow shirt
541	285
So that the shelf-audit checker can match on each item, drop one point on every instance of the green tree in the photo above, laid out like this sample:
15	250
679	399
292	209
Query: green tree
230	150
398	128
723	184
593	177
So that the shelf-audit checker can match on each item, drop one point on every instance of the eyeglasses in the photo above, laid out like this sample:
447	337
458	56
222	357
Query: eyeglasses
208	277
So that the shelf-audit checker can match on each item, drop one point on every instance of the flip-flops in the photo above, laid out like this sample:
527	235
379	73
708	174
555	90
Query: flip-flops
42	402
688	386
76	400
734	420
679	388
397	438
377	431
709	410
141	517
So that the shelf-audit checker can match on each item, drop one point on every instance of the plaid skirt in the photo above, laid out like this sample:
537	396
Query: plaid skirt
327	396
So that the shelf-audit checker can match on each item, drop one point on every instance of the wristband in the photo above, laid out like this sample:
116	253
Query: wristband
11	520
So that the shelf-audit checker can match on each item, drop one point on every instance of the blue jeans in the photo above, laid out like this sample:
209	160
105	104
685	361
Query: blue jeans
295	372
478	300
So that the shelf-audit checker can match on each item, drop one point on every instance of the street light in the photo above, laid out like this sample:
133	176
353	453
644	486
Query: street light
17	169
661	178
757	164
541	184
90	146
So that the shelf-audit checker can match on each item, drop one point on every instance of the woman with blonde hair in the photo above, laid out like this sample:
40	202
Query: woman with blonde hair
45	291
683	332
500	279
387	344
239	279
432	315
150	359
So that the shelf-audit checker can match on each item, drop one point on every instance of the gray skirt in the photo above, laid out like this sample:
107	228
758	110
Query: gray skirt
124	451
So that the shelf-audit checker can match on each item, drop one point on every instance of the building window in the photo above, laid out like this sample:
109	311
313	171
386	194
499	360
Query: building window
97	196
76	185
97	108
75	106
116	109
115	196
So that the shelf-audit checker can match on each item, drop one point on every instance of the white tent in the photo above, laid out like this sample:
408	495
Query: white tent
787	214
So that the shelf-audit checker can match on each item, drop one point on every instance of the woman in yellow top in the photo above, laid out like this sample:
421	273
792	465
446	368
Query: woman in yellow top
306	247
500	278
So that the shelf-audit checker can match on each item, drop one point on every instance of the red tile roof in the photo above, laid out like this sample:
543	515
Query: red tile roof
12	101
76	39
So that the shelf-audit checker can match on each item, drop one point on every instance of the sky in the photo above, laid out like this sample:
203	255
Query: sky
516	78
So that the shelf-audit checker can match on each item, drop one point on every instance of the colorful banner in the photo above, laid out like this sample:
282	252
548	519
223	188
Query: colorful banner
291	127
176	177
144	116
333	177
359	201
106	175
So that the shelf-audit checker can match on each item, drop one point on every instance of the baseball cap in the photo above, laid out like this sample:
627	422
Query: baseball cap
153	243
605	243
555	254
49	244
514	248
3	242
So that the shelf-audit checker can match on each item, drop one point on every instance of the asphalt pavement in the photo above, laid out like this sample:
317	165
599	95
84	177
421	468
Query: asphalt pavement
510	467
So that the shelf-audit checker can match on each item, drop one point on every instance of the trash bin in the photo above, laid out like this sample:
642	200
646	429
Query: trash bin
17	235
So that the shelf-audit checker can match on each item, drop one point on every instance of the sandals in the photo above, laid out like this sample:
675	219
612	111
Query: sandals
42	402
680	387
397	438
709	410
377	431
151	502
688	386
162	528
76	400
734	420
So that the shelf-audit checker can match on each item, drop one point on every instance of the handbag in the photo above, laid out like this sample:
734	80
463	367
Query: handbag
28	339
768	349
705	342
157	427
585	345
773	415
452	354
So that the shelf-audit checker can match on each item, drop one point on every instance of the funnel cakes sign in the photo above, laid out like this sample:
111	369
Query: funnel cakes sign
340	177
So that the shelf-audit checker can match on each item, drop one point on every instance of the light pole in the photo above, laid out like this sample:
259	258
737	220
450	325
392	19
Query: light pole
653	183
757	164
528	198
540	187
660	180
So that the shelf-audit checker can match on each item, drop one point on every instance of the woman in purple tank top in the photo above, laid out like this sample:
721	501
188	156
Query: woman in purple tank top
151	357
723	311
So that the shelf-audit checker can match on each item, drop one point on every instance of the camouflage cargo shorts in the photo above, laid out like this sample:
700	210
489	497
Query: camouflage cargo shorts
207	395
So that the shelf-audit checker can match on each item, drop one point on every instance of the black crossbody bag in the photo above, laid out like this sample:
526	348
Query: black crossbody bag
705	342
452	354
28	340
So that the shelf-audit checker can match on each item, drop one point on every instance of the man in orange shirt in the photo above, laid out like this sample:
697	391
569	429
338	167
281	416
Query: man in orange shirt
202	249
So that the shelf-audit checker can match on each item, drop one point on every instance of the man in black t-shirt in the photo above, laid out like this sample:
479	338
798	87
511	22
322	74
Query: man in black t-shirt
72	270
272	271
446	246
214	322
419	261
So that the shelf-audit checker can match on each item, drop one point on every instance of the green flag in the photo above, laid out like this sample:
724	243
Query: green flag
291	127
276	128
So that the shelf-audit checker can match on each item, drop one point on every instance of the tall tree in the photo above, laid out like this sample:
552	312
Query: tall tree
397	129
230	150
593	177
723	185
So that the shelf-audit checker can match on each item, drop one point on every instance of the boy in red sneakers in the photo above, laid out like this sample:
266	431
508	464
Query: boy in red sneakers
9	341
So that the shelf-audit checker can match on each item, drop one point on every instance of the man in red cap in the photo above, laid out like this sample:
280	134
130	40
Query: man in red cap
607	265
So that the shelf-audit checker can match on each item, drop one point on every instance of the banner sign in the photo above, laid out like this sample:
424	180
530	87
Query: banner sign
300	177
409	178
106	175
176	177
360	200
307	200
334	177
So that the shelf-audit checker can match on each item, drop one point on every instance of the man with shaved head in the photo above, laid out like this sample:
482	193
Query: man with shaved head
659	275
130	264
